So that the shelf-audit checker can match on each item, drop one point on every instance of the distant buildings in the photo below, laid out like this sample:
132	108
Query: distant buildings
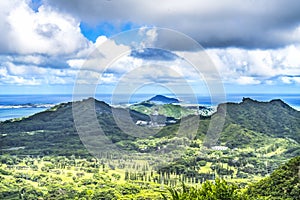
219	148
156	121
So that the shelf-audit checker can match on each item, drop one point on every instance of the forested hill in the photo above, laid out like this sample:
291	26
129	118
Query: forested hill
283	183
53	131
274	118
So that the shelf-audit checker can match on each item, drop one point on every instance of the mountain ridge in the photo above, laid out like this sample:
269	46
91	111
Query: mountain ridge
274	117
283	183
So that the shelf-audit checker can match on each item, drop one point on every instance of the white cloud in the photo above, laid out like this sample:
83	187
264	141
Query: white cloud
6	78
290	80
102	54
44	32
246	80
149	37
20	74
286	80
76	63
270	82
263	65
25	70
296	79
289	58
34	69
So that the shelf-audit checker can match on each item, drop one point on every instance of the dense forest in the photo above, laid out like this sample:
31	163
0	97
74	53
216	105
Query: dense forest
59	177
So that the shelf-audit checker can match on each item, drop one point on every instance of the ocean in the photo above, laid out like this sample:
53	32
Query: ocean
17	106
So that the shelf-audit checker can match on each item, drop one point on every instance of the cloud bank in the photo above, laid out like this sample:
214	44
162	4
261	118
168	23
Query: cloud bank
247	24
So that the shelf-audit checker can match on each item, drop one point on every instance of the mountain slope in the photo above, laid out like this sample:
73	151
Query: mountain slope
53	131
168	110
283	183
274	118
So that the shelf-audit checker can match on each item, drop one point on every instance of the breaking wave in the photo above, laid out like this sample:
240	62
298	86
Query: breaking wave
29	105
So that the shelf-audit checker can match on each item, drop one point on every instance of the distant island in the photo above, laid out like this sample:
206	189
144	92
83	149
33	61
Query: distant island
172	108
161	99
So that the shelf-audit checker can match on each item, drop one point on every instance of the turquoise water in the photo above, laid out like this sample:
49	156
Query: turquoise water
16	106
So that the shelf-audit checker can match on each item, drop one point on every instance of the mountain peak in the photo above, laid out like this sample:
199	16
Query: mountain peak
281	103
274	102
247	99
277	101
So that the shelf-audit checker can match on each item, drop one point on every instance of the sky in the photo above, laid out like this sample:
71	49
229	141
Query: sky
106	46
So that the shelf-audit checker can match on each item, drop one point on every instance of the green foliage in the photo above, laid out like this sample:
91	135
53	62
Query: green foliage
283	183
219	190
71	178
168	110
68	178
274	118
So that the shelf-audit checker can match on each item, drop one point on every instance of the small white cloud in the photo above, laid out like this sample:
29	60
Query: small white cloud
246	80
76	63
270	82
149	37
286	80
100	40
290	80
296	79
108	78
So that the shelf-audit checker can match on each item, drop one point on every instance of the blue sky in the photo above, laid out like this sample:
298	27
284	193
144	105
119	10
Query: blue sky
254	46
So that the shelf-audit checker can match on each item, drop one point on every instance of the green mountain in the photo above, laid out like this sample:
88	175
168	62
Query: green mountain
253	123
168	110
245	148
269	130
53	131
283	183
274	118
169	107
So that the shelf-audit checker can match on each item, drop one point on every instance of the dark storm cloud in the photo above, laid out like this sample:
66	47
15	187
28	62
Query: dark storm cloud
247	24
